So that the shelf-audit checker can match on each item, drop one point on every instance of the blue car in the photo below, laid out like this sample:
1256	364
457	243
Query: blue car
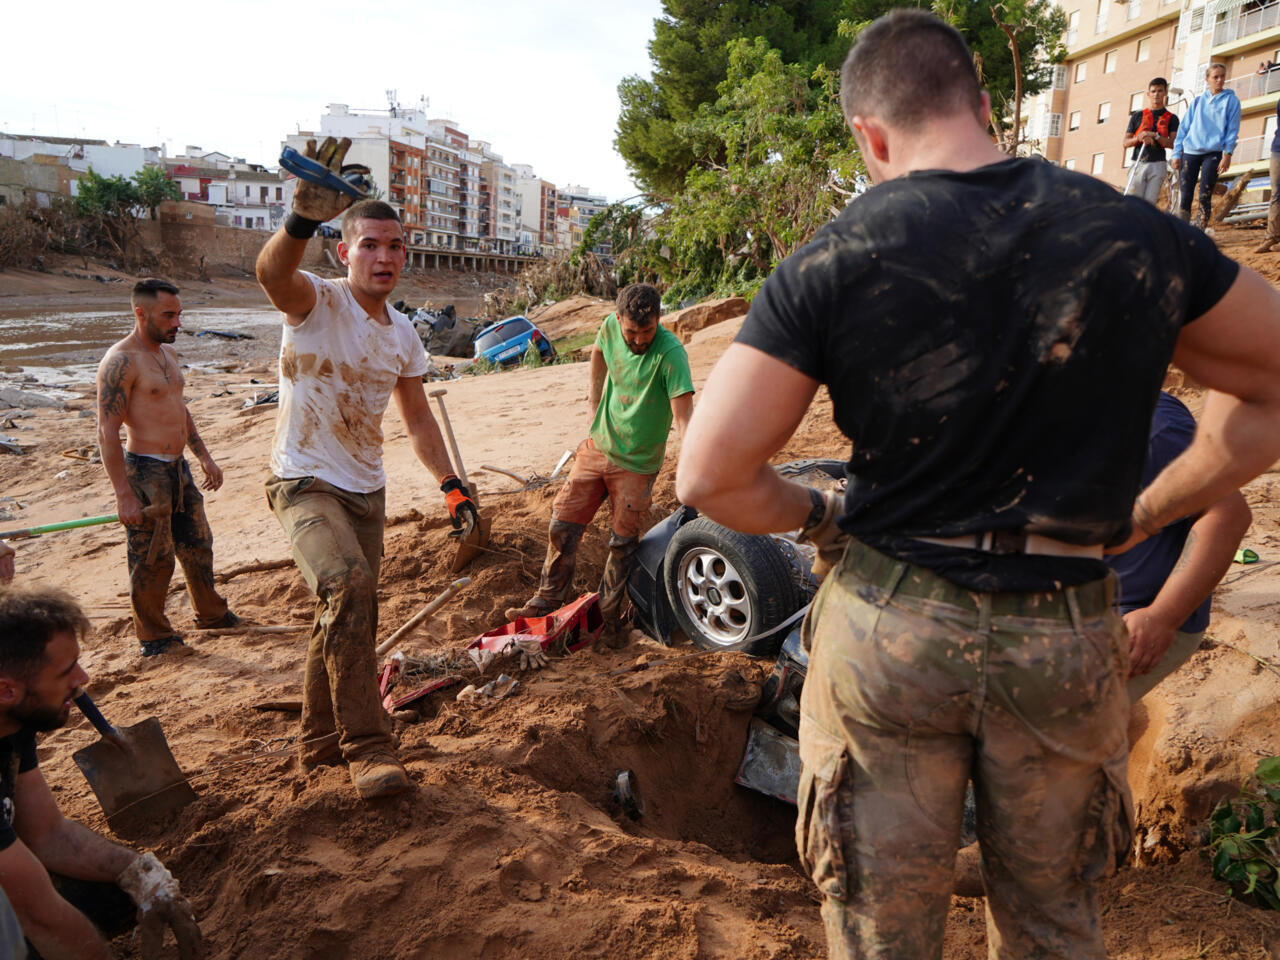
506	341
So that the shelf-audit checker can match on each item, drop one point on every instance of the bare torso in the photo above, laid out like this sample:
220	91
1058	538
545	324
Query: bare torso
147	387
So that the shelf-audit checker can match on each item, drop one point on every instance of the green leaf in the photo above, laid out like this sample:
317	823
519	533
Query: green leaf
1268	770
1221	860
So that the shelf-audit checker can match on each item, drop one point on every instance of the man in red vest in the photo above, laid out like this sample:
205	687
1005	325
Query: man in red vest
1150	133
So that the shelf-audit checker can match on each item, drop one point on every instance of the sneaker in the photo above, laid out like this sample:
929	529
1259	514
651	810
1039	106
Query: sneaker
378	775
1265	246
153	648
228	619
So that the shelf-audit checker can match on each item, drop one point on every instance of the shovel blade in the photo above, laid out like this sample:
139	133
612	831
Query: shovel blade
470	545
136	780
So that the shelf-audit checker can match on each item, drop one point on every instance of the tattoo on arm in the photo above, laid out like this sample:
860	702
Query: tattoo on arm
113	395
194	442
1188	547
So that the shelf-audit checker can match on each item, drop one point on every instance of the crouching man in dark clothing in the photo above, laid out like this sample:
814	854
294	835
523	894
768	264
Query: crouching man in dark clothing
69	887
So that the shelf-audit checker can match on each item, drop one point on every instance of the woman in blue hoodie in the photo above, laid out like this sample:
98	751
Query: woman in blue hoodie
1205	141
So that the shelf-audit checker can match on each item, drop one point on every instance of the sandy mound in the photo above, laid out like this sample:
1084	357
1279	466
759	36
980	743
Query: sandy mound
571	316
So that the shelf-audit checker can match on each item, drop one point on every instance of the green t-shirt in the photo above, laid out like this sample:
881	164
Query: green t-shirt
634	416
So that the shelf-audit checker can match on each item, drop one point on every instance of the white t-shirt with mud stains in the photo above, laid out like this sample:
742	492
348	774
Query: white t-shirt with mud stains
337	370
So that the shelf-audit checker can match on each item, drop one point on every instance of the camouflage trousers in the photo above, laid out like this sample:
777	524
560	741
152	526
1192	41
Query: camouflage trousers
915	686
182	532
336	539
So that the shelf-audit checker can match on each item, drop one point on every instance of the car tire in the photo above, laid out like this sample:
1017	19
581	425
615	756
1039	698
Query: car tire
726	587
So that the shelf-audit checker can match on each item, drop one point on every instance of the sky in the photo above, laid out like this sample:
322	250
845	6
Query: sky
537	78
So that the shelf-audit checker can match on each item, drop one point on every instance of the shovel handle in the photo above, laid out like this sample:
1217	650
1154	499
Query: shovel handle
90	710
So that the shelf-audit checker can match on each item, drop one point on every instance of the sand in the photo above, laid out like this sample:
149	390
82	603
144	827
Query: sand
511	844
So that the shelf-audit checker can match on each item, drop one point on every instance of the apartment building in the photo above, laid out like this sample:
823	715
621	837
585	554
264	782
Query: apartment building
535	209
575	206
1116	47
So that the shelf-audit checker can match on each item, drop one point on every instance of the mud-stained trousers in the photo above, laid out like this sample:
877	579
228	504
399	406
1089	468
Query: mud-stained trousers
915	686
183	531
336	539
593	479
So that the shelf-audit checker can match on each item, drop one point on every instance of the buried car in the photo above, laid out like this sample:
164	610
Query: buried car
507	341
731	591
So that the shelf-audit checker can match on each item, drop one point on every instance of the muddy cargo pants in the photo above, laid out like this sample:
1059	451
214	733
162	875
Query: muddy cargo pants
593	479
182	530
336	539
916	685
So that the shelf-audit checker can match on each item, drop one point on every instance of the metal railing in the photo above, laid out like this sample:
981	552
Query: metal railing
1251	149
1244	22
1255	84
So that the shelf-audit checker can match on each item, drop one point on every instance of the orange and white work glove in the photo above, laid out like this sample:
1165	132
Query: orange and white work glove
462	509
160	904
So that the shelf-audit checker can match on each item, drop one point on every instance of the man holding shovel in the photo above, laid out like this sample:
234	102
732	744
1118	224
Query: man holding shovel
344	353
1150	133
69	887
140	388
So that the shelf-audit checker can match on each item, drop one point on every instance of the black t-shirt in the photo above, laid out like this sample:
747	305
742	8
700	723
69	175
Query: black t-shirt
1155	151
17	755
993	342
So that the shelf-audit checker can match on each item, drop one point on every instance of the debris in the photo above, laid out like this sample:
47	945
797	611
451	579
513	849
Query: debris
88	454
493	690
444	596
626	790
262	399
9	445
27	400
226	335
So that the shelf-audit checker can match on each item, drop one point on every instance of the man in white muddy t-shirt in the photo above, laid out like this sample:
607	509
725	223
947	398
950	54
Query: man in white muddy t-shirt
343	354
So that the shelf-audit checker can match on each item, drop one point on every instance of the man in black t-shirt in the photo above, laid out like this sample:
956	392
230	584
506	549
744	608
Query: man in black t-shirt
1150	133
67	885
993	333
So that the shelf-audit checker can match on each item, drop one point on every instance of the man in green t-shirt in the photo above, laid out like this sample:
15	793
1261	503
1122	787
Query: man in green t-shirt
640	382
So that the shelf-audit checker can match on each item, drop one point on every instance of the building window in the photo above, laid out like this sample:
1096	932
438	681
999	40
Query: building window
1197	20
1069	164
1109	62
1097	164
1104	111
1144	49
1053	125
1136	101
1100	23
1073	28
1134	10
1074	122
1081	70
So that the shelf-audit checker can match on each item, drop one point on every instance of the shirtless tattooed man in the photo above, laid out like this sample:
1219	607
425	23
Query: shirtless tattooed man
140	387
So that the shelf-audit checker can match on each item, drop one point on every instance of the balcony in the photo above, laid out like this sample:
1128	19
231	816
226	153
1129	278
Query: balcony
1255	84
1251	150
1243	23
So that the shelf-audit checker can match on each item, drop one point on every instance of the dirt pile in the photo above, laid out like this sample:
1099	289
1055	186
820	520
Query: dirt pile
685	323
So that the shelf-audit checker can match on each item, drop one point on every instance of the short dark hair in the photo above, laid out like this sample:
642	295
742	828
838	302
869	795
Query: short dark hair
366	210
1159	82
29	619
641	303
150	290
907	66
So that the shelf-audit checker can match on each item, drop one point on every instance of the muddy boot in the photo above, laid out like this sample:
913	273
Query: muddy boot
224	622
617	569
967	880
1182	214
563	539
152	648
378	775
1265	246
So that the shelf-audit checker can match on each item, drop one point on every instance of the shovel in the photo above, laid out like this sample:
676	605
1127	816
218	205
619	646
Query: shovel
132	772
476	535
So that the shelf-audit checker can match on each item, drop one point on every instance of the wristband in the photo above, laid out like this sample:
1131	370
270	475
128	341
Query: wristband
818	511
300	228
